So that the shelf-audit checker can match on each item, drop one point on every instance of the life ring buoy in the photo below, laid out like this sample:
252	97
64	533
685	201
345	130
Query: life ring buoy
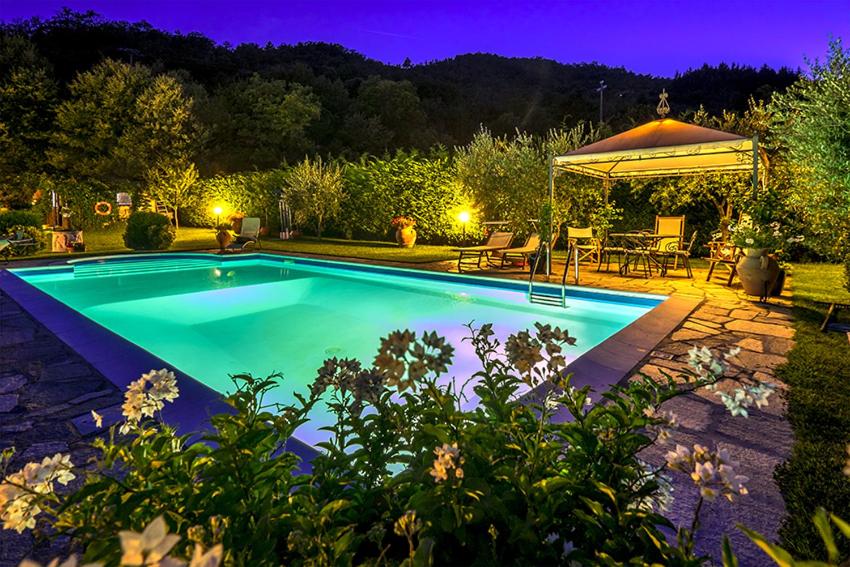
103	208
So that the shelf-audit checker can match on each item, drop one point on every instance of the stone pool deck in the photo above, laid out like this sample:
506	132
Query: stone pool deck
47	390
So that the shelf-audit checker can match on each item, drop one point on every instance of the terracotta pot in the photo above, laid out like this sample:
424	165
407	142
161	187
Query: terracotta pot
757	271
223	237
406	237
236	224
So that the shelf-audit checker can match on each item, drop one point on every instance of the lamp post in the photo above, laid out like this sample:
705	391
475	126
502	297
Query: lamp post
217	212
463	217
602	86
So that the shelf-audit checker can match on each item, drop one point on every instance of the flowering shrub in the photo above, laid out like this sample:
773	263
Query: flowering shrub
401	222
749	234
408	477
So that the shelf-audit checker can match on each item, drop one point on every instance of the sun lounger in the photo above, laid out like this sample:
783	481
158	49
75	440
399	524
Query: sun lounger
523	252
249	235
472	255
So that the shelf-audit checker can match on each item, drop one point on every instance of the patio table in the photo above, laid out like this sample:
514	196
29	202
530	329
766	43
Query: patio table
642	245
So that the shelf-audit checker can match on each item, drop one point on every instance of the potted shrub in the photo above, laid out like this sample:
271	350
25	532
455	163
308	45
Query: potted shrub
405	234
235	220
758	269
223	235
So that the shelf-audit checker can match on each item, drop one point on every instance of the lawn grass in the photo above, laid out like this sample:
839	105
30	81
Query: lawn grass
190	238
818	373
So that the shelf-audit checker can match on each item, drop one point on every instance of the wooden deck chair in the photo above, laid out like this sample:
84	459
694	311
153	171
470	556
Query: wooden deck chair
473	255
584	242
532	243
249	235
724	254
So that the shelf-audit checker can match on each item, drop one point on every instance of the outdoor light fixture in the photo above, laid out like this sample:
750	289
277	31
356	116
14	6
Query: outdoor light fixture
217	212
463	217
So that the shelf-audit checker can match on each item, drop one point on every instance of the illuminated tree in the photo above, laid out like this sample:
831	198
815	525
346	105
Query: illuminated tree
119	122
172	184
812	120
316	190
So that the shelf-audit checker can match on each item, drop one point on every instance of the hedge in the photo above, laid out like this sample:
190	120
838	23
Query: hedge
9	219
377	189
254	194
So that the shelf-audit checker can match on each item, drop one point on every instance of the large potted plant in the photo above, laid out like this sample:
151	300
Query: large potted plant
758	268
223	236
405	234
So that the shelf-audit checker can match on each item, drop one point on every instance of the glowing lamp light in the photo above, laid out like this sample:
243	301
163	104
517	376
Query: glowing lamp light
217	211
463	217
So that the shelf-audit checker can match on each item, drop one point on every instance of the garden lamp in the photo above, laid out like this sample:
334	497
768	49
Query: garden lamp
463	217
217	212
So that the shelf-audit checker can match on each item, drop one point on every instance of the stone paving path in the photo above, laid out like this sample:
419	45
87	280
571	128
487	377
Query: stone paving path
44	386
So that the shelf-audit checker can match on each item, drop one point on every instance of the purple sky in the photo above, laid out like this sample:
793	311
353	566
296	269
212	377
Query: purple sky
658	37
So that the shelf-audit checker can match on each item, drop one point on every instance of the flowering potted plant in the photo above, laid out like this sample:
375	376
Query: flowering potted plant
405	234
758	268
235	220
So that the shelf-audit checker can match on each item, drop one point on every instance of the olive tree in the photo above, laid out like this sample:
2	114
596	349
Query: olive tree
812	120
316	190
173	185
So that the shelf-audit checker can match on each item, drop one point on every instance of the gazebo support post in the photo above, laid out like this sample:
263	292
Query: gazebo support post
551	214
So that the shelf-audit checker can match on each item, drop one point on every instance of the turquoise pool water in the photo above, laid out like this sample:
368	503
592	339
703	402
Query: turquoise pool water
211	318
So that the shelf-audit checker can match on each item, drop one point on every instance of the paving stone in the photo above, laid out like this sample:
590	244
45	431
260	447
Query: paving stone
8	402
756	360
777	345
11	383
751	344
688	335
696	326
746	314
760	328
16	427
91	396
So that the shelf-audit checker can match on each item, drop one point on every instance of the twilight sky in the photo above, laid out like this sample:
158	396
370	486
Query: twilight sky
658	37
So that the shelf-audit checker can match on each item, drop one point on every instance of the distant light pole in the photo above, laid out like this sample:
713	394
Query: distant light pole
602	86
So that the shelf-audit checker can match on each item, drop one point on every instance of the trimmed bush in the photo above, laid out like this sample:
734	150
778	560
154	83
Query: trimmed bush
423	188
254	194
148	231
10	219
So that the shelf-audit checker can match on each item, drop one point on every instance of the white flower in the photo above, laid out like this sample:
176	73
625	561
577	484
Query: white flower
749	241
19	491
211	558
141	401
150	547
713	472
448	457
98	419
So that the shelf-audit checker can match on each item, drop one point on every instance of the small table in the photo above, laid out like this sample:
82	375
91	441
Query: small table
644	245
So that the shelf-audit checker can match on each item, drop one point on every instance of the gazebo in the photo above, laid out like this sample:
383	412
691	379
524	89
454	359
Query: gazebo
662	148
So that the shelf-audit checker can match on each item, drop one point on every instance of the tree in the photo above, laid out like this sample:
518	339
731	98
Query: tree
508	176
259	123
119	122
317	191
812	121
172	184
28	96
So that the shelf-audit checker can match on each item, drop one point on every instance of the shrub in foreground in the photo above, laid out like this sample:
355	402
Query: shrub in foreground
408	477
148	231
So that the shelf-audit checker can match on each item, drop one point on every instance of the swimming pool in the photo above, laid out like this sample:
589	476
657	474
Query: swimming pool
211	316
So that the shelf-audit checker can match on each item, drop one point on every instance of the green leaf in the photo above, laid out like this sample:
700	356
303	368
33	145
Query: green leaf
729	559
779	555
821	522
843	526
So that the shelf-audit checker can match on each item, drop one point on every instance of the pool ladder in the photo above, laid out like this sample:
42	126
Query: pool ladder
540	296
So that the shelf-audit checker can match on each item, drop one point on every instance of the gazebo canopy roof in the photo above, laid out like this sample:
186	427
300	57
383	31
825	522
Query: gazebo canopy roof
660	148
